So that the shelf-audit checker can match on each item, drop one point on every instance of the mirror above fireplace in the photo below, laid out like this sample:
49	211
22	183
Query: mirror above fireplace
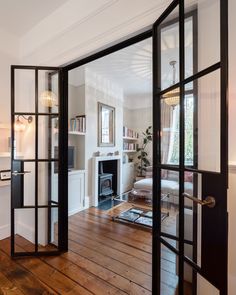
106	125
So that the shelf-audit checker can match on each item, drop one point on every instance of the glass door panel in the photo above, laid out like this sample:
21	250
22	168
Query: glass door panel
35	152
206	33
190	146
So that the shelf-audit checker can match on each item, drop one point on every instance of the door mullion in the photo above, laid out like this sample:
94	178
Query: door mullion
181	145
36	160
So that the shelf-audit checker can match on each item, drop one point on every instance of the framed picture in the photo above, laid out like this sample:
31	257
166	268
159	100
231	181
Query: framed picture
106	125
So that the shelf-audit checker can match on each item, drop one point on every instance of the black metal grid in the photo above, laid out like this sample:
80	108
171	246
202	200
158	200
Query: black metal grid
62	192
207	270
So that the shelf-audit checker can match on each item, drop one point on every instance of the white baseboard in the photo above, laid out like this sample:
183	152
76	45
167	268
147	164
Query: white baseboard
74	211
5	231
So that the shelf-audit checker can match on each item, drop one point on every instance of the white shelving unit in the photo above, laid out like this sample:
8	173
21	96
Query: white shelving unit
76	133
129	151
130	138
129	141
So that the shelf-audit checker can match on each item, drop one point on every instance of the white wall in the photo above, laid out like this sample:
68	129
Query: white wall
100	89
8	55
139	119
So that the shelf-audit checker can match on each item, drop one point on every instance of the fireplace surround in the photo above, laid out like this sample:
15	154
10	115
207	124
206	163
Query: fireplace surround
110	165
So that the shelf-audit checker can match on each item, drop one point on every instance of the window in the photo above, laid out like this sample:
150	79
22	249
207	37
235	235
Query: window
173	154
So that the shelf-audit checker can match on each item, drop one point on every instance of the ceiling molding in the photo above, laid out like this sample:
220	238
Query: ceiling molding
66	30
104	39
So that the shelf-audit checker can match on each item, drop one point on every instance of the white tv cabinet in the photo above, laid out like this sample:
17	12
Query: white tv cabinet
76	190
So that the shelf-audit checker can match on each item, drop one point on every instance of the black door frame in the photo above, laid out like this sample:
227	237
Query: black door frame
62	204
209	269
223	66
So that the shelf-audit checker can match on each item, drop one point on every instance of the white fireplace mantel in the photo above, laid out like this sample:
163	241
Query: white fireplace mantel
95	165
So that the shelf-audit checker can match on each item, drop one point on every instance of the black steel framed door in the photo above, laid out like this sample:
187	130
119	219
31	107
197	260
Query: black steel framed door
39	202
190	145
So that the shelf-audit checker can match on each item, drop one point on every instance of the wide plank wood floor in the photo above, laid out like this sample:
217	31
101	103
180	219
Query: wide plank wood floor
104	257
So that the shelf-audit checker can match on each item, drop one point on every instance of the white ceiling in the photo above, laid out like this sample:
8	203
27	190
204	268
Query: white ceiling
130	68
19	16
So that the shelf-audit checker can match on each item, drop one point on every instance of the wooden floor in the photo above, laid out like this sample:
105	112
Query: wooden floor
104	257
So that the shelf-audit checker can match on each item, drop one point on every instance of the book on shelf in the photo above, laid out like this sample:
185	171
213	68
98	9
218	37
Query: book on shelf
127	132
78	124
127	146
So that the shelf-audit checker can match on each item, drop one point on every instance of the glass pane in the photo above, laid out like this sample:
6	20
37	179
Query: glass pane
169	273
189	279
47	183
190	44
54	226
29	184
202	122
169	132
207	49
170	202
24	145
192	217
48	135
48	91
194	283
25	91
46	231
24	230
169	57
189	129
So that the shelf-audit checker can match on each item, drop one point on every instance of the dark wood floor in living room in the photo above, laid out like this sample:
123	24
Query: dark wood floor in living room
104	257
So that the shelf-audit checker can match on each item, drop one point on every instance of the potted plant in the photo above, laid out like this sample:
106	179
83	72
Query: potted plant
142	156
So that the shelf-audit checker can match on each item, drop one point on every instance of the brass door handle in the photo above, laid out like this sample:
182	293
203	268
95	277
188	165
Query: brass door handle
15	173
209	201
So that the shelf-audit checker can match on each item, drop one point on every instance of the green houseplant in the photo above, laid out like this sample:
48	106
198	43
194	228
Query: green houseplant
142	155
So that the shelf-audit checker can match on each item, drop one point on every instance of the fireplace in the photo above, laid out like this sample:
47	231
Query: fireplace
112	166
107	180
105	185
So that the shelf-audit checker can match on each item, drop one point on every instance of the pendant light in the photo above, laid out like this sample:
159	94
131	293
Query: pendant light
171	98
48	99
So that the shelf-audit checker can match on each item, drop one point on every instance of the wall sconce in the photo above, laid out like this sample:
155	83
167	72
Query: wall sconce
48	99
19	125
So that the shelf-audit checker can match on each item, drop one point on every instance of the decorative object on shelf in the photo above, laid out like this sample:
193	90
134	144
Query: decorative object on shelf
143	161
19	123
116	153
48	99
110	154
5	175
97	154
106	125
172	97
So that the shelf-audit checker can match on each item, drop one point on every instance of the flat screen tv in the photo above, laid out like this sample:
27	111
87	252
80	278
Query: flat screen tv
71	158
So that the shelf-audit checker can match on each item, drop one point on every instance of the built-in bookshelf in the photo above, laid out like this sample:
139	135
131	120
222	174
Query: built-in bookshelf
130	138
77	125
129	133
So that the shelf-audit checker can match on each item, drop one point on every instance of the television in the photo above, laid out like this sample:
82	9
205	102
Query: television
71	158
